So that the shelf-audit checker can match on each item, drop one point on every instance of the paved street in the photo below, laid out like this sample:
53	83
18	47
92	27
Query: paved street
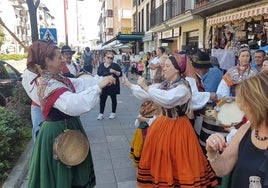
110	142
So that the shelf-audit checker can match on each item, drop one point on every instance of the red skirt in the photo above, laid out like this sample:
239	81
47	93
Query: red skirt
172	156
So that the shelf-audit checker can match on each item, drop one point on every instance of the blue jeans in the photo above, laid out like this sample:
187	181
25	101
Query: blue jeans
126	70
36	116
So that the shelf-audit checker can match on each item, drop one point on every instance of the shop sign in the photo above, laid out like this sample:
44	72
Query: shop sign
167	34
164	44
159	35
126	30
148	37
177	32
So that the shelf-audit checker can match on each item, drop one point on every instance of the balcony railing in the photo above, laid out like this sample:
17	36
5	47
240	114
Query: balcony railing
174	8
157	16
167	11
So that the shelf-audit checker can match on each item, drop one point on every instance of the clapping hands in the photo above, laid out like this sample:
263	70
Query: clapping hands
107	81
126	82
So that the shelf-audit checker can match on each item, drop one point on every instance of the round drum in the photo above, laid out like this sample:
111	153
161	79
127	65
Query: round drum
71	147
225	115
210	126
84	75
228	113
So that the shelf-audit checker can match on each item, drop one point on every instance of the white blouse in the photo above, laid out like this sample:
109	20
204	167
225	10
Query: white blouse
173	97
73	104
165	98
223	90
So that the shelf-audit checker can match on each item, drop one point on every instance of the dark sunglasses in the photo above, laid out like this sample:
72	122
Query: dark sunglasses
109	57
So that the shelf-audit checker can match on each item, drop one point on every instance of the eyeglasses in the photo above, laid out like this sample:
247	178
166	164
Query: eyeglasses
67	53
109	57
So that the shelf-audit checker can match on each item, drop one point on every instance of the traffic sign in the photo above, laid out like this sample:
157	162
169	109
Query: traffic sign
49	34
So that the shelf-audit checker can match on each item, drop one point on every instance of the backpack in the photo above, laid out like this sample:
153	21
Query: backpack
88	59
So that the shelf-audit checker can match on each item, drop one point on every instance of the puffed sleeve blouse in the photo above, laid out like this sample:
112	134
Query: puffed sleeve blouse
166	98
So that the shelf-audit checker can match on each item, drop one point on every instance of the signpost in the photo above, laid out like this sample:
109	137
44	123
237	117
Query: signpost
49	34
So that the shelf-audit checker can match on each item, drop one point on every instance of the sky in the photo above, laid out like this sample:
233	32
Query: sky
88	16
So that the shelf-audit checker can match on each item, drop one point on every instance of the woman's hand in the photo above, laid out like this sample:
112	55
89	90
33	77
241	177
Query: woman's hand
142	119
107	81
142	83
114	72
215	143
126	82
213	96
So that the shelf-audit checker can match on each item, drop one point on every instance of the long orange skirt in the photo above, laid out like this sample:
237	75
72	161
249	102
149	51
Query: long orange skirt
172	156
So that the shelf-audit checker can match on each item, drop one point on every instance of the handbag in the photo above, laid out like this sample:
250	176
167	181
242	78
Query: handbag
71	147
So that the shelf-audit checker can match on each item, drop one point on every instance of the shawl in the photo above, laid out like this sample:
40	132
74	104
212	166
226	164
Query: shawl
236	75
50	87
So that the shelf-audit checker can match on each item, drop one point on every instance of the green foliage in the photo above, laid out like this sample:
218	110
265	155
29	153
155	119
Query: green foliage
20	96
11	131
21	103
2	37
15	57
61	44
15	130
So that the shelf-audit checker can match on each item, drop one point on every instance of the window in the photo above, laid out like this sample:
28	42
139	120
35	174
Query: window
110	31
147	17
109	13
11	73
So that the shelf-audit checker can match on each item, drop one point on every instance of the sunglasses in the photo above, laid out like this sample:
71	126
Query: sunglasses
109	57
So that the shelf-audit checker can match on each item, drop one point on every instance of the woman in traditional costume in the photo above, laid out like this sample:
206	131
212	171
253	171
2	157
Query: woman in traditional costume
237	74
171	155
62	100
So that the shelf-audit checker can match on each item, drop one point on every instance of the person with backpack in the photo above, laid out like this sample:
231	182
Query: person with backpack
88	60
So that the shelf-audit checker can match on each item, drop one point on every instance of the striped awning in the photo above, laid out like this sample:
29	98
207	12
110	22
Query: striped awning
256	11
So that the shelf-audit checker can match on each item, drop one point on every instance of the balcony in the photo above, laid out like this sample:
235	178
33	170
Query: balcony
199	3
174	8
206	8
167	11
157	16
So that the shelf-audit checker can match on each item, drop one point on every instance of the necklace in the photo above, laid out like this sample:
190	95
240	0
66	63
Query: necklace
260	138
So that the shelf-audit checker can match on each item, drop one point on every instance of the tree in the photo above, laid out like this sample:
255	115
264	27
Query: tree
32	6
2	37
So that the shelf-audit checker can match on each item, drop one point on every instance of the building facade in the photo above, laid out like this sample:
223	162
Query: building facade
15	16
190	25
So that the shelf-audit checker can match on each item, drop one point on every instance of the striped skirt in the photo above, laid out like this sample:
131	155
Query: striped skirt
172	156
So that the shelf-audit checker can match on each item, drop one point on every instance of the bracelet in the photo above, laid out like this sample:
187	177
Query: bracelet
214	158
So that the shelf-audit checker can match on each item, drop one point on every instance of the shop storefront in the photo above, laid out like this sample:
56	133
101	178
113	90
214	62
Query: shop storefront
193	35
226	31
169	39
149	41
247	24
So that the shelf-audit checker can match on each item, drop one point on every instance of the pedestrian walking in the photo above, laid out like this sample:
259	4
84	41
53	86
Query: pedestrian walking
88	60
109	68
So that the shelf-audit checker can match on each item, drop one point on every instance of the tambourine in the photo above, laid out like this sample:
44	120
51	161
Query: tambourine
227	113
71	147
84	75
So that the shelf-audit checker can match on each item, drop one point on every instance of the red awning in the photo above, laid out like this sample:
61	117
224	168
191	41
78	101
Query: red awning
256	11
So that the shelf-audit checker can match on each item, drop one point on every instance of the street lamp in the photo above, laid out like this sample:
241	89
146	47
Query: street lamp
65	3
77	19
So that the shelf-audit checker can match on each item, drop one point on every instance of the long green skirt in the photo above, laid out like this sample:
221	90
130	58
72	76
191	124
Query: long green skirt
46	172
